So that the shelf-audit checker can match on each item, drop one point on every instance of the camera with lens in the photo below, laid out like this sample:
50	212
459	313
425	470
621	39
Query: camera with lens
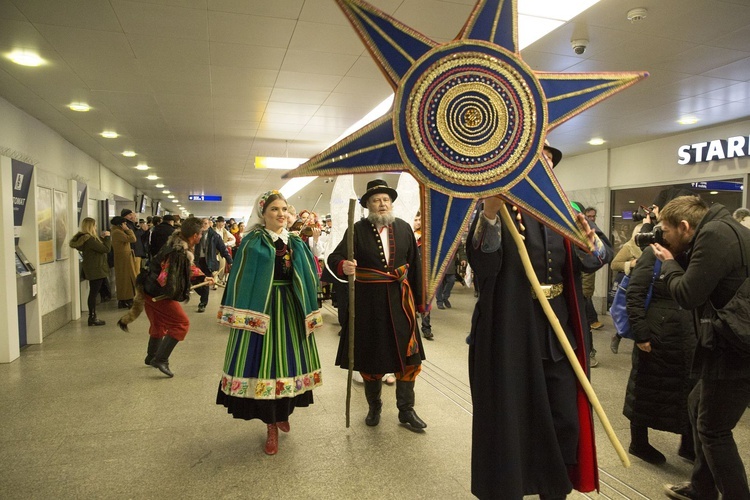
644	212
645	239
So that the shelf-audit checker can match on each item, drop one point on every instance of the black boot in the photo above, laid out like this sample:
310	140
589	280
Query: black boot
95	322
161	359
153	347
372	393
405	404
640	447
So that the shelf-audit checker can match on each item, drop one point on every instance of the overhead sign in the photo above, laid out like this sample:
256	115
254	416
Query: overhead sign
718	149
717	185
204	197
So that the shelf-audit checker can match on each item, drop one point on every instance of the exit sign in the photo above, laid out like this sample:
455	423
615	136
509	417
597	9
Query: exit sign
204	197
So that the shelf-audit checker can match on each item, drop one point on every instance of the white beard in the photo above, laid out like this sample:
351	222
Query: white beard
381	220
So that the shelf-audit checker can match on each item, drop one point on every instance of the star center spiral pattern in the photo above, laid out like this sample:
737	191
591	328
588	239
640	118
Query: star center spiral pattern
471	115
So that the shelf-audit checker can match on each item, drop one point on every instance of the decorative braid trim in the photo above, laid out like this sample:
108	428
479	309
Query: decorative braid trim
256	388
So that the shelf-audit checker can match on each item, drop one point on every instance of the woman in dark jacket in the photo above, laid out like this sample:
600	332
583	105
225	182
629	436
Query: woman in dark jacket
659	383
95	268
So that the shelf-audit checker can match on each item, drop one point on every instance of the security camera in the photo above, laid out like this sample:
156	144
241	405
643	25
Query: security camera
579	45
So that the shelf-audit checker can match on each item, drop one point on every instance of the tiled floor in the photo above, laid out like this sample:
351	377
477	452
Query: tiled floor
81	416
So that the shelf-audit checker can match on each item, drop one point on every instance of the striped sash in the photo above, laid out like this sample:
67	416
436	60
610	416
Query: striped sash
368	275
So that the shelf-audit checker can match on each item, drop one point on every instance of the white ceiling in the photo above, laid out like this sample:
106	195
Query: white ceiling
198	88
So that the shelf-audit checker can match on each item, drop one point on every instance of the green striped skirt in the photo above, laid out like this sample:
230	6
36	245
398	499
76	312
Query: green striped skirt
267	376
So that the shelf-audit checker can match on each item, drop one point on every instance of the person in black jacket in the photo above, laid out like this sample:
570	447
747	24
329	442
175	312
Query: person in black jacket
659	382
207	253
714	243
161	233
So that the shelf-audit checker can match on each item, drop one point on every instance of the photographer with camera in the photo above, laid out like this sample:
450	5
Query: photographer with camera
713	243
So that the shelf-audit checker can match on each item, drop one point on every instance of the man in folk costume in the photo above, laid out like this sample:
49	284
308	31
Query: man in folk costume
171	274
532	424
388	288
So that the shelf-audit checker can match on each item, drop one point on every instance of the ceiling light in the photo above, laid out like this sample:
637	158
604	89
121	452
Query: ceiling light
79	106
152	177
713	192
170	196
142	166
262	162
632	202
596	141
175	201
25	57
688	120
166	191
160	185
110	134
128	153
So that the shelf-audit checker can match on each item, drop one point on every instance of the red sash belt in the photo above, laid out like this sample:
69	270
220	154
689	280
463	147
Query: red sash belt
368	275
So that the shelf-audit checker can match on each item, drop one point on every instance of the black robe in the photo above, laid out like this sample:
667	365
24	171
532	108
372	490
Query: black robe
515	450
383	329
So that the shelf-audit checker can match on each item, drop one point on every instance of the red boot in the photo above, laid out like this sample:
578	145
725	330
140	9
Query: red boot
272	441
283	426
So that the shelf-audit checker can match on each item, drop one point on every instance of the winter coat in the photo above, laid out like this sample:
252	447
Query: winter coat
94	253
628	252
714	273
215	246
124	262
177	260
159	236
659	382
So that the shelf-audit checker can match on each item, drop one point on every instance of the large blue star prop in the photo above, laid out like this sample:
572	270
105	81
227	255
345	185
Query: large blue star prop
468	121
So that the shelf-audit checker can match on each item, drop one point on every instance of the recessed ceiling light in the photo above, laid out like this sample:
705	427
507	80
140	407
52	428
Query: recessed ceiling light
713	192
166	191
175	201
631	202
79	106
128	153
688	120
596	141
25	58
170	196
160	185
110	134
152	177
142	166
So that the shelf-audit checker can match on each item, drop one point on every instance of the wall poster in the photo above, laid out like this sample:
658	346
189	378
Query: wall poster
62	250
45	225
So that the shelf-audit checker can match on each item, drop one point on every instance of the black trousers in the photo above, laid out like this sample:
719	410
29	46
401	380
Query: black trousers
204	290
94	288
715	407
342	301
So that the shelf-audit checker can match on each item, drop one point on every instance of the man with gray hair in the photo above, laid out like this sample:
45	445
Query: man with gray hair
388	291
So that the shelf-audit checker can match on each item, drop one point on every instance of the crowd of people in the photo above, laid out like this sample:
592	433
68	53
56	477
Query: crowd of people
534	437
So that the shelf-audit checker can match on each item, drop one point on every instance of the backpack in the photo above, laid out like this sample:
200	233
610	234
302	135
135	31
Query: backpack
619	310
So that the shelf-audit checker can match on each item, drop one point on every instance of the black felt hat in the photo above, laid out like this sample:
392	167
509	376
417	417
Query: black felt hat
556	154
375	187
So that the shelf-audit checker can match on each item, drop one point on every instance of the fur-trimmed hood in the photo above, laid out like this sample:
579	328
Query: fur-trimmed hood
178	244
79	240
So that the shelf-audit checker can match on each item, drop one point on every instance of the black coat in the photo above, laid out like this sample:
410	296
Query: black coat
714	272
383	329
515	451
159	236
659	382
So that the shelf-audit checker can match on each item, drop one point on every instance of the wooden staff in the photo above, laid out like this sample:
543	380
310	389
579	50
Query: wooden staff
162	297
557	328
350	256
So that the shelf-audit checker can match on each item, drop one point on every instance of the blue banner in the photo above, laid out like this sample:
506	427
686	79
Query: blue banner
81	194
21	183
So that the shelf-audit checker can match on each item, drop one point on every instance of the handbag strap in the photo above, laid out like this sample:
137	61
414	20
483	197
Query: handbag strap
657	272
743	255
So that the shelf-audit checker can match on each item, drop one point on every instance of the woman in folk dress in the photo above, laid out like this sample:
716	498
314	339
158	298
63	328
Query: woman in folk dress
270	303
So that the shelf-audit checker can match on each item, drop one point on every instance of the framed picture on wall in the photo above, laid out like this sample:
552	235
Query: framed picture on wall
62	250
45	225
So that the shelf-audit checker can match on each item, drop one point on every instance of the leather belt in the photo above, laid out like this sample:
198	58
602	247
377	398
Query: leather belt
550	291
